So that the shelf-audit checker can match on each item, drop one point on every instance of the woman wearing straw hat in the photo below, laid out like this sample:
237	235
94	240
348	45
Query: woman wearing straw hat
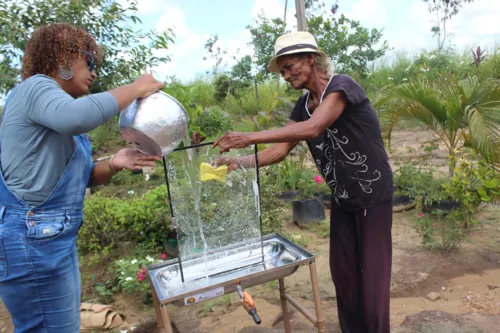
342	131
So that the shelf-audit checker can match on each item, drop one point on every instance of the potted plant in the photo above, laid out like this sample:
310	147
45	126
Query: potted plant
309	206
474	182
289	174
435	198
405	188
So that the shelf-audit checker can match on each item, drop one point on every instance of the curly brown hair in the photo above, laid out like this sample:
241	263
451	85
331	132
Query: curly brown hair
55	46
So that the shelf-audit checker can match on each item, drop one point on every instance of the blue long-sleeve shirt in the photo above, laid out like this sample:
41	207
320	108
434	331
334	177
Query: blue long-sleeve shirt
36	133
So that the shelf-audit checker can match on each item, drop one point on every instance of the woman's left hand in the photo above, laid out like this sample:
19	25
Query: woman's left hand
132	159
232	140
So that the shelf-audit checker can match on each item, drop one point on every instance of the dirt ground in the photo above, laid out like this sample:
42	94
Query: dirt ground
467	282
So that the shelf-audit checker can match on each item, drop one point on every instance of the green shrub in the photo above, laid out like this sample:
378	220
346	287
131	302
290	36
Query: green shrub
474	182
213	121
126	177
271	206
106	137
440	232
143	219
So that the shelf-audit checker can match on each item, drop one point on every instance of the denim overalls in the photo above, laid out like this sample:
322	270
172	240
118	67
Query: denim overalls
39	274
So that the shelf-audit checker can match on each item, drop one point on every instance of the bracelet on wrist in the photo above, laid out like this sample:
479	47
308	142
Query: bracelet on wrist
110	165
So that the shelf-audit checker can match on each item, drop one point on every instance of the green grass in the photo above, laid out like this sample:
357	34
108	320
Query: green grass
322	229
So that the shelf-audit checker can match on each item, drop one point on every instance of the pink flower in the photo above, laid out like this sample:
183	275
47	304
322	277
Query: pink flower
144	271
140	276
435	224
421	215
163	256
470	234
460	225
318	179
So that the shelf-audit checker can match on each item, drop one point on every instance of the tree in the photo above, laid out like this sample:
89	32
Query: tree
215	52
127	51
264	33
444	11
351	46
461	113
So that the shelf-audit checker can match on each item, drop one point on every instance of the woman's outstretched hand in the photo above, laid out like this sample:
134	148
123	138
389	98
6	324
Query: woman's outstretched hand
132	159
232	140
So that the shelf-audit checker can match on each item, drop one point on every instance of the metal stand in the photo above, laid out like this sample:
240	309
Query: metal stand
163	318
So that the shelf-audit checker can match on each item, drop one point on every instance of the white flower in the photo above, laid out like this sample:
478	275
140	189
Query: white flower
121	260
148	258
146	177
131	192
134	261
405	79
123	273
390	78
128	278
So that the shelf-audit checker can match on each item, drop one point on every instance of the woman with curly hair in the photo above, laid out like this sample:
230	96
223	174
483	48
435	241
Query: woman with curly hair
46	165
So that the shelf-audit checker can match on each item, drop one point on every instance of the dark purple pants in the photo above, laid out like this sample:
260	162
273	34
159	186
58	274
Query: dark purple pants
360	263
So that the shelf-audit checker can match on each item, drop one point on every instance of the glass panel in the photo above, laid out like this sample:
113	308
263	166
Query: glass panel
214	210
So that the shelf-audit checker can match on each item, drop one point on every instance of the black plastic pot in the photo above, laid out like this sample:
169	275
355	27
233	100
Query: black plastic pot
307	211
402	202
288	196
443	205
326	199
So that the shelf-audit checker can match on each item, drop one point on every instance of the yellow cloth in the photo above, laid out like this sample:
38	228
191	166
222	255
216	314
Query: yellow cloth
207	172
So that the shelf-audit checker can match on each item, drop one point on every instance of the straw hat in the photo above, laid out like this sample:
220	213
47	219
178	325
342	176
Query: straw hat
294	42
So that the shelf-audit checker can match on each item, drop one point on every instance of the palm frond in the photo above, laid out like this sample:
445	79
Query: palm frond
413	101
484	125
469	87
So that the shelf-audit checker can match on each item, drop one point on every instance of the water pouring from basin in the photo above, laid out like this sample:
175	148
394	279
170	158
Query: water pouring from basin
211	214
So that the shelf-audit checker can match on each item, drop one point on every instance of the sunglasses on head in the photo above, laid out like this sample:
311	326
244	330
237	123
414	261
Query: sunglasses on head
90	61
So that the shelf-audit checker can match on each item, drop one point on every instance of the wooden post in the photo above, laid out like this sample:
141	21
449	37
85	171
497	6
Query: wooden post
156	303
300	9
320	320
284	306
167	323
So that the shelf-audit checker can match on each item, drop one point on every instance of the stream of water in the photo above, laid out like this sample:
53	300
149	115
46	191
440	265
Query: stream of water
193	172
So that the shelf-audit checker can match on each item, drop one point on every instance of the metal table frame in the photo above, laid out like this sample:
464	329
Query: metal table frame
164	321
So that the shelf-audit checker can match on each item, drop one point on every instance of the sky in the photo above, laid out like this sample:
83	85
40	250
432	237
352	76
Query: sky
406	25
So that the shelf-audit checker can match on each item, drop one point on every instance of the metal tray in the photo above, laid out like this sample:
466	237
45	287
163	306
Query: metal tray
228	267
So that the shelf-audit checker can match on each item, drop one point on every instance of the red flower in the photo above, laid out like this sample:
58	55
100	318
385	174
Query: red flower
163	256
470	234
421	215
144	271
140	276
460	225
435	224
318	179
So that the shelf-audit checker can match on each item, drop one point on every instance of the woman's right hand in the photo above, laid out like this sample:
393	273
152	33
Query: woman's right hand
147	84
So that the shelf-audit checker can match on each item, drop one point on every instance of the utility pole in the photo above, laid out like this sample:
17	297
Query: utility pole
300	9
